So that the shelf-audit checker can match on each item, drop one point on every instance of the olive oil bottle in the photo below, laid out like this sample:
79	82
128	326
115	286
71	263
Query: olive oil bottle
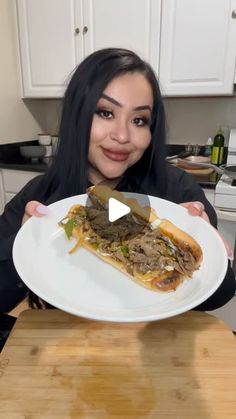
218	148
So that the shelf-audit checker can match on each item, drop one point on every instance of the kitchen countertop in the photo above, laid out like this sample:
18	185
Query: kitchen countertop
40	167
10	158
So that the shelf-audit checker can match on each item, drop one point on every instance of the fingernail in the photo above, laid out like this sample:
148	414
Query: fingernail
198	207
42	209
230	254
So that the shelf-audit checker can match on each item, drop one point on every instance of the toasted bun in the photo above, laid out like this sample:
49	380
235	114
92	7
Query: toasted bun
181	239
156	284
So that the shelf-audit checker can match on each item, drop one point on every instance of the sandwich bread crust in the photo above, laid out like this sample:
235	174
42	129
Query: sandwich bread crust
161	264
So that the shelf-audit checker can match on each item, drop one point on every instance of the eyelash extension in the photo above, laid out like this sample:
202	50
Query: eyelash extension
145	121
99	111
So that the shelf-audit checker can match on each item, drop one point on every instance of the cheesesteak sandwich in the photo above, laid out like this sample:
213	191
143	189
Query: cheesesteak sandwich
152	251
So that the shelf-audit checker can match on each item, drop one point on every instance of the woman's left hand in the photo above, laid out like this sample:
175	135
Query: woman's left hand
197	208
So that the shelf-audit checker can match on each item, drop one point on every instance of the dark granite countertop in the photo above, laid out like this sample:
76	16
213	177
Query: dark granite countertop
28	167
206	181
10	158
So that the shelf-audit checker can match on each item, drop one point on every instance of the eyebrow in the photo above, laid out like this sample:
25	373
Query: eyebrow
115	102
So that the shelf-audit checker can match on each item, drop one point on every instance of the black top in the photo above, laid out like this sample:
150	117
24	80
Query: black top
181	188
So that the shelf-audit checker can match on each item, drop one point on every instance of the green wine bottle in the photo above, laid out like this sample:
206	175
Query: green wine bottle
218	148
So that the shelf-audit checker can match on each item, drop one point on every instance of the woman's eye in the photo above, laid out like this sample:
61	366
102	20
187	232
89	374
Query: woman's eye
105	114
141	122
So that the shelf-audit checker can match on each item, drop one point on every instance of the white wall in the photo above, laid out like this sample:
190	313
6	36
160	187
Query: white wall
189	120
193	120
17	120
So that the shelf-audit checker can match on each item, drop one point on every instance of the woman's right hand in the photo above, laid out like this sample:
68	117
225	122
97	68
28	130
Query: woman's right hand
34	208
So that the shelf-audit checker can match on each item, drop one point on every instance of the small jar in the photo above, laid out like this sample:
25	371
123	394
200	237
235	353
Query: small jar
189	148
44	139
196	149
208	147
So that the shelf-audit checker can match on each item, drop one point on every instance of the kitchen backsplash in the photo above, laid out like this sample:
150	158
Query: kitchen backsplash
188	120
194	120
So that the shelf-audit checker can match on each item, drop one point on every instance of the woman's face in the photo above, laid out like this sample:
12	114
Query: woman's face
120	131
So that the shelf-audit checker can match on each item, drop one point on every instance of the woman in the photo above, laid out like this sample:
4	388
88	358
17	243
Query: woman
112	130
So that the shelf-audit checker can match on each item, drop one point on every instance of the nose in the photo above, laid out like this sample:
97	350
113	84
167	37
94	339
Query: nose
120	132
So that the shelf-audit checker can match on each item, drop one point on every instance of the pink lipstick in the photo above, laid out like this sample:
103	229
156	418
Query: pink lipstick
115	155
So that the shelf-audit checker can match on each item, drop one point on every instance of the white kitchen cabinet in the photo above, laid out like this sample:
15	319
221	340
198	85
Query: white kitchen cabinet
226	220
198	47
11	182
48	44
55	35
227	227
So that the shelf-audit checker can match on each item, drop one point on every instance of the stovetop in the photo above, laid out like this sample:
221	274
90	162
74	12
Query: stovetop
226	185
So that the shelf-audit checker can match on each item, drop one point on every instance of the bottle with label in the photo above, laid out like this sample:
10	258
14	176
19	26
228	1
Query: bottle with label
208	147
218	148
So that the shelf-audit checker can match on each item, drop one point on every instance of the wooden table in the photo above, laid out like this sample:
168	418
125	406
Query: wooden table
55	365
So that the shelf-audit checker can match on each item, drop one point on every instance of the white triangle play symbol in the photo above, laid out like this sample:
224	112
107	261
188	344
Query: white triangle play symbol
116	209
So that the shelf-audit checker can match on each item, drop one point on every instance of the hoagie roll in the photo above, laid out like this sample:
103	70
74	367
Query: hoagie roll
151	251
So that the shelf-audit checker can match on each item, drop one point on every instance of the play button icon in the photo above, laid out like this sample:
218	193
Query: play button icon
117	209
112	216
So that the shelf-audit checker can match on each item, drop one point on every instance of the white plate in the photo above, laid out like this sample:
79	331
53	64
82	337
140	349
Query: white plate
84	285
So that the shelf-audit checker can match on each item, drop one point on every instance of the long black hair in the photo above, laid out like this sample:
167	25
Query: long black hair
68	174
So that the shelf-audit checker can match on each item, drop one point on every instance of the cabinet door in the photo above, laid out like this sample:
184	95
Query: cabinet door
228	230
132	24
198	47
50	46
15	180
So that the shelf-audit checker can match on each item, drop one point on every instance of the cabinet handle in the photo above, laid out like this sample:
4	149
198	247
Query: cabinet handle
234	14
77	31
85	29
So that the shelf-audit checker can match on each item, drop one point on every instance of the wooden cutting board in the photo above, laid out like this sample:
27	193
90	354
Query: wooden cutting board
55	365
